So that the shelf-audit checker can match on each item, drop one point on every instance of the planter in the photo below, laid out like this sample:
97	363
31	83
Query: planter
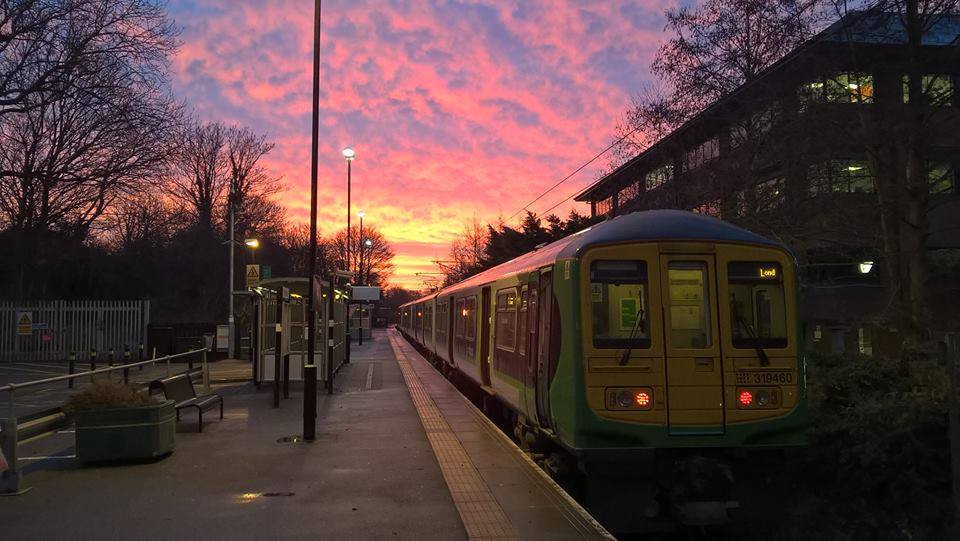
138	433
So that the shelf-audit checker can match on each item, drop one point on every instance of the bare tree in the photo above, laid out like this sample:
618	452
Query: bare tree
251	186
201	176
467	252
50	46
375	266
141	221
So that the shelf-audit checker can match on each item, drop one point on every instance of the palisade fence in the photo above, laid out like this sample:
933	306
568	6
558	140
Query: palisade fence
57	328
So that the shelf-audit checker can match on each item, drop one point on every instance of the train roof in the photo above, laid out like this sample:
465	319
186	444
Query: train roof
659	225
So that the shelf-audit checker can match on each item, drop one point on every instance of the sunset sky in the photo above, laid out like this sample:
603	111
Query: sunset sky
456	109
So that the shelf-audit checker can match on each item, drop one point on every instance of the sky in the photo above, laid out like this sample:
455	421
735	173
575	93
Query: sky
457	110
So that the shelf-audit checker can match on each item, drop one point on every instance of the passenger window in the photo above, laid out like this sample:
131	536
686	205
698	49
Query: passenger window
618	304
758	314
507	319
522	323
470	305
689	305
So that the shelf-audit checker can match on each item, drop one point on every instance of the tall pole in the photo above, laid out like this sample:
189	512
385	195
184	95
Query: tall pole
310	367
231	328
349	335
359	278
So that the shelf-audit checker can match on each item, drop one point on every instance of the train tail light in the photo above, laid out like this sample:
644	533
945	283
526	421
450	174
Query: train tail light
630	399
745	398
642	399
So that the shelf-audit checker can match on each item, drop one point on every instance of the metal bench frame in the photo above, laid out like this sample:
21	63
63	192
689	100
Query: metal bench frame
180	389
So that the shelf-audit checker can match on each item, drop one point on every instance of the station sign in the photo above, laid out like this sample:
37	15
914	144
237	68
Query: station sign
253	275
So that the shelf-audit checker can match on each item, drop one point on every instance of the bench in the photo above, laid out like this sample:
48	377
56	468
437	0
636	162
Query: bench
180	389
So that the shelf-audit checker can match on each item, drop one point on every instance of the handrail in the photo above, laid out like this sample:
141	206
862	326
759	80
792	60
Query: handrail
10	387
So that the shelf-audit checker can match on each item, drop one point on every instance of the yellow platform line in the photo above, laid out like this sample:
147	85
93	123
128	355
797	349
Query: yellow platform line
482	516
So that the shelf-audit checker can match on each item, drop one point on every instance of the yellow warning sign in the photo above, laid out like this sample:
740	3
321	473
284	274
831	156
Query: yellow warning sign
253	275
24	323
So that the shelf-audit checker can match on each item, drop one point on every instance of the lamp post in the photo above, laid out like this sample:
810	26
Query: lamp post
310	366
349	155
231	325
360	276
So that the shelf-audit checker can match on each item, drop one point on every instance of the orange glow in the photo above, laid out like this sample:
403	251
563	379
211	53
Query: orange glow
642	399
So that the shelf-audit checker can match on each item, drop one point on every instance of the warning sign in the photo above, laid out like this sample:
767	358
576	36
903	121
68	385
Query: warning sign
253	275
24	323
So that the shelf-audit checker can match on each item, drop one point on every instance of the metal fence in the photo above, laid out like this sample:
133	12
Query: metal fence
50	330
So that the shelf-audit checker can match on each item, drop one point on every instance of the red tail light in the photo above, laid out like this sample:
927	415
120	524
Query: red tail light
642	399
746	398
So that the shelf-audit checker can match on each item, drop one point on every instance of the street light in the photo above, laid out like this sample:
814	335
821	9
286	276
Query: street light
360	275
253	244
310	366
349	155
866	267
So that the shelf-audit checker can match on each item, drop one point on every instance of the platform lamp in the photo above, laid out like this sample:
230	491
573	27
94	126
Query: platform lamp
359	276
253	244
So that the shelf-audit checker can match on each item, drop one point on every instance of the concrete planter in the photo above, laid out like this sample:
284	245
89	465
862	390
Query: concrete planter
139	433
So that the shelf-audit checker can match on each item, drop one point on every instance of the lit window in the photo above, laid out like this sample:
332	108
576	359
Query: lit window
604	206
840	176
658	177
938	89
710	208
842	88
506	330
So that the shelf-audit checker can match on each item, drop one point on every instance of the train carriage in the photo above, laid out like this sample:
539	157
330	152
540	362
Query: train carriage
654	330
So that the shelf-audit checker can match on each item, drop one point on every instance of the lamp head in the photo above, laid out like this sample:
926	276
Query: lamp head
253	243
349	154
866	267
368	243
361	213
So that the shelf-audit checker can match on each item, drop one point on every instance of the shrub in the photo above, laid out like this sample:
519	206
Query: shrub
878	461
107	394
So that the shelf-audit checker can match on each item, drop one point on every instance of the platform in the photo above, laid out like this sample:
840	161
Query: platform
388	463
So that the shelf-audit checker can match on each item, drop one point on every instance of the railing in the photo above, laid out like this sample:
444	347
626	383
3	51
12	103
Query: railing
45	424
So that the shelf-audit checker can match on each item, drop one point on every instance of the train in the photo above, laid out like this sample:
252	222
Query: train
649	350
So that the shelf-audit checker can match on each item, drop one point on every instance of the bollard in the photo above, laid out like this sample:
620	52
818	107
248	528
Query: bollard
126	361
140	355
189	362
71	359
206	372
93	362
286	375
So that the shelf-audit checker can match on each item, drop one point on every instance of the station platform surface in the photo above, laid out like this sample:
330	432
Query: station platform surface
399	454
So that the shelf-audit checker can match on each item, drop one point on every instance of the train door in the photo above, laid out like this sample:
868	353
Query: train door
694	365
485	323
451	329
530	361
542	374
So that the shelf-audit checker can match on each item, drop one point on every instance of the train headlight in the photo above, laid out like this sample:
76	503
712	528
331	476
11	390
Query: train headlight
762	398
630	399
625	399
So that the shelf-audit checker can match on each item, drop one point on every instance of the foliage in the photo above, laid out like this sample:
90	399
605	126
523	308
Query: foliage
878	464
107	394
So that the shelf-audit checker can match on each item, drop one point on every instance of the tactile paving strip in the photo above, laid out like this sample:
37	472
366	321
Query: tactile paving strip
482	516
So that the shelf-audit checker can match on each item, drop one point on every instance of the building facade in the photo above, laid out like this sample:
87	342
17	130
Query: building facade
798	154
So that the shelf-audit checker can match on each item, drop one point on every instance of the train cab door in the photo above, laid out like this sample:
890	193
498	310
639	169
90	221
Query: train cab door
694	364
542	357
485	325
530	359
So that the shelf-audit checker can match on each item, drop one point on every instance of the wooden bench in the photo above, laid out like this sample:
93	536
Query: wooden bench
180	389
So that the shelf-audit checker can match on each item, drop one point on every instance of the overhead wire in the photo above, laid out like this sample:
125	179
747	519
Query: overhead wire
568	177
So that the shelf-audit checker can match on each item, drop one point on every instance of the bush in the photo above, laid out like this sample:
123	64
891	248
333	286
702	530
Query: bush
878	461
104	395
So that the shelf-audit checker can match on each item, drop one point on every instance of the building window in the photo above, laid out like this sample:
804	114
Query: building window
841	88
604	206
942	178
938	89
864	342
753	126
507	319
701	154
710	208
631	192
658	177
840	176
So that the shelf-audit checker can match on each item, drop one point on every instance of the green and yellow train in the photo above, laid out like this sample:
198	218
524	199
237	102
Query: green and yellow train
653	331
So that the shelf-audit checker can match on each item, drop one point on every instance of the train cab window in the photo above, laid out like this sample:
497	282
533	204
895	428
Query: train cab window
506	337
689	305
618	304
758	314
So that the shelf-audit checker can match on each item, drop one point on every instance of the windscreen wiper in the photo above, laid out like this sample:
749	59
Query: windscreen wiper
638	325
741	321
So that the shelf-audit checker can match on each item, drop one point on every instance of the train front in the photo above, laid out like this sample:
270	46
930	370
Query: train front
689	355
